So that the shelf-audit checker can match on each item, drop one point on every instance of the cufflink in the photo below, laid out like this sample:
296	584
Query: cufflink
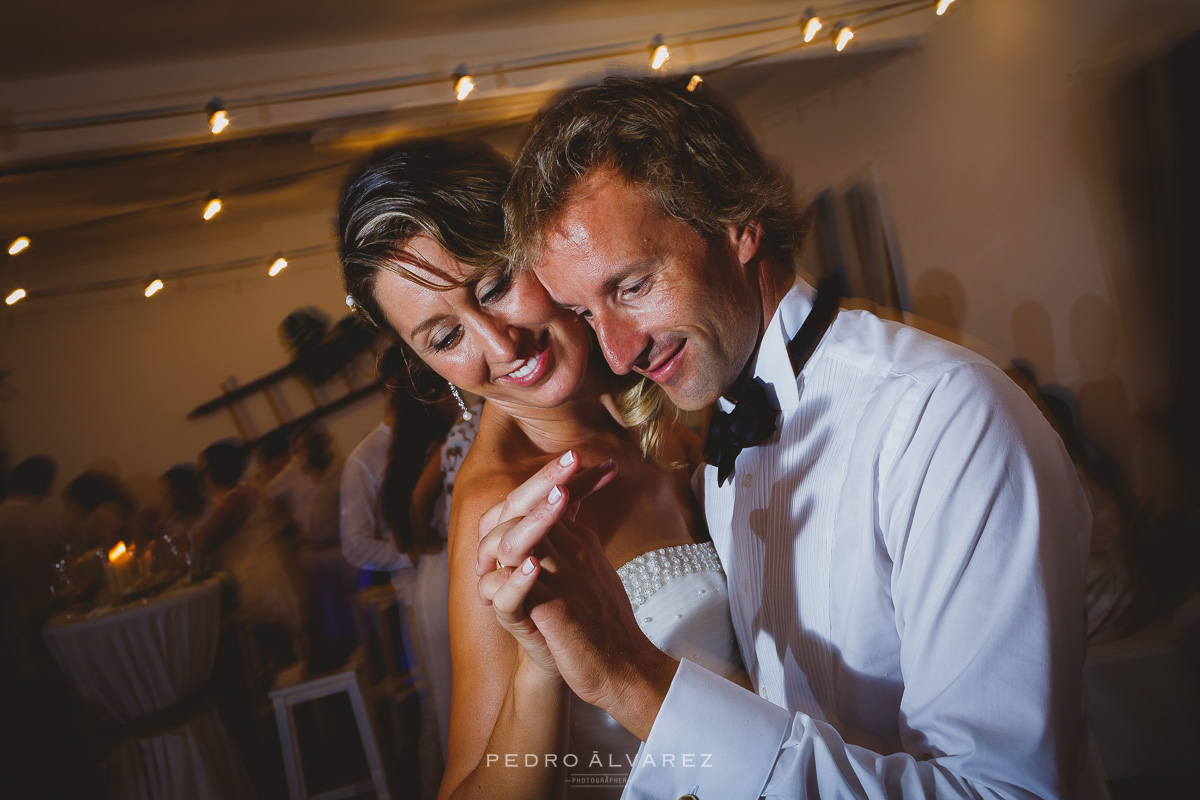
688	797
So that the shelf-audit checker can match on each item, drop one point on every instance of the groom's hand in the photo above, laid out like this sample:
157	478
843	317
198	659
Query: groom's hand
588	624
578	605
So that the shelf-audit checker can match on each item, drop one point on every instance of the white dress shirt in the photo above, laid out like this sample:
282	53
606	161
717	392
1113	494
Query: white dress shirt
366	537
906	558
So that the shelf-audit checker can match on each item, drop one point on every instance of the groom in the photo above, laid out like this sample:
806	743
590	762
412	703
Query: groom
903	534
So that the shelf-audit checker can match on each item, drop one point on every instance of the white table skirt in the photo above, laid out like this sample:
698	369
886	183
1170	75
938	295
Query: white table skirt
141	658
193	760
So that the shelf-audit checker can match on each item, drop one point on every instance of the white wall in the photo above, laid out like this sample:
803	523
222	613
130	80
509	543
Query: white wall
992	146
113	375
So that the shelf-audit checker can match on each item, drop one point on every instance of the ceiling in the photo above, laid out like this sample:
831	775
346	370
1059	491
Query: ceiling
66	36
72	201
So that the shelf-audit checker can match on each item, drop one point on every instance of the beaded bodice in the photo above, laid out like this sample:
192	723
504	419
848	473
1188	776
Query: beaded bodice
646	574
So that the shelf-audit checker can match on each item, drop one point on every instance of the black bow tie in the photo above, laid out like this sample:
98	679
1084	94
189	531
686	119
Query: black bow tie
750	423
756	414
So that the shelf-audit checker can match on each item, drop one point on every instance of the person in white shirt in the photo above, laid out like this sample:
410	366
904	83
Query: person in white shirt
904	535
366	538
368	542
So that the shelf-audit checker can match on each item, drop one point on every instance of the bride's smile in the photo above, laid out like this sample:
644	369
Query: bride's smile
499	336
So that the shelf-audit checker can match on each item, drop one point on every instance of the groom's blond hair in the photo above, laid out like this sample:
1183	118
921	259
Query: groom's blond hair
692	155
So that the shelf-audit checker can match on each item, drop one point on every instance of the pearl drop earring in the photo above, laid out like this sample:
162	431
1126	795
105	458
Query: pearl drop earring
466	412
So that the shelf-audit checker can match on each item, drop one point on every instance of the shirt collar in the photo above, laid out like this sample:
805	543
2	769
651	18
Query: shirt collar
772	363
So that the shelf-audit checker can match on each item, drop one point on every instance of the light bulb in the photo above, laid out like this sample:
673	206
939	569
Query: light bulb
463	87
277	267
942	6
218	118
15	296
153	287
661	56
694	83
213	207
18	244
812	24
843	37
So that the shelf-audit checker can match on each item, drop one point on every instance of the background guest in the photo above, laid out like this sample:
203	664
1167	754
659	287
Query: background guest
243	539
183	507
385	469
32	539
329	580
103	506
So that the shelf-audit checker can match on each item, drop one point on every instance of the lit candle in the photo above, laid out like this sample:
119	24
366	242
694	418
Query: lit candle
121	566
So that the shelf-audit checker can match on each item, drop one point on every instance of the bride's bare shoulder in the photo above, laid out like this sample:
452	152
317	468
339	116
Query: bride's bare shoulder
491	470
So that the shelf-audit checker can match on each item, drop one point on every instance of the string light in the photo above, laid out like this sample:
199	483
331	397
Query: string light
811	24
661	56
212	209
613	50
183	272
463	86
218	119
842	36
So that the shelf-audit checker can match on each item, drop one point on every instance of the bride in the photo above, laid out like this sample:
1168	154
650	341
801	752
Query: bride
419	230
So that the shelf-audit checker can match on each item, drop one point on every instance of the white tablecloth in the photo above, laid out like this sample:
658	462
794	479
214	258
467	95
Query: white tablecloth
140	658
193	760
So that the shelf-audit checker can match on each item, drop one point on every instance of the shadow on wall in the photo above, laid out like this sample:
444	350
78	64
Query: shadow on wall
1033	339
1104	408
1142	167
939	297
1096	414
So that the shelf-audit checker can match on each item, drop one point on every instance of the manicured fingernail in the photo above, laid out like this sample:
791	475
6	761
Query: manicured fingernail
527	567
568	458
554	496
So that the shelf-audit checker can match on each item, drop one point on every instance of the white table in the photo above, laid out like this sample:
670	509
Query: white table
133	661
143	657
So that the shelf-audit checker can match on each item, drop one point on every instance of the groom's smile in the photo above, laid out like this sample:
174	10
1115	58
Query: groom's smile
666	301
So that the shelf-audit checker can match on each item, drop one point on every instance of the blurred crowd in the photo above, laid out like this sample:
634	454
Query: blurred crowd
291	526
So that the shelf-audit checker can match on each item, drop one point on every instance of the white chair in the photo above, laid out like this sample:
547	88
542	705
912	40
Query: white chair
291	689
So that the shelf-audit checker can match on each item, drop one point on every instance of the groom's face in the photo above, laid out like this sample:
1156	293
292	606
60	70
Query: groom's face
665	300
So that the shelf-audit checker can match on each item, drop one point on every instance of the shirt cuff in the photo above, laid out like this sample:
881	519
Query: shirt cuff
711	738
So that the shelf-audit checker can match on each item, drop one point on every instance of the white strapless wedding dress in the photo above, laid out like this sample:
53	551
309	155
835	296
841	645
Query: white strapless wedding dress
681	603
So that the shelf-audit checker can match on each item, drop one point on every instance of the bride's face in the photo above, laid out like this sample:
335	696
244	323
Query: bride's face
500	337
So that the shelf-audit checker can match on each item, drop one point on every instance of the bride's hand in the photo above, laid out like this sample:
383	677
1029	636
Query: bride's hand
507	589
529	500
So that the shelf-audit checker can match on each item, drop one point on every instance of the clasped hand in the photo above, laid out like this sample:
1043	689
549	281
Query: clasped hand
551	585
